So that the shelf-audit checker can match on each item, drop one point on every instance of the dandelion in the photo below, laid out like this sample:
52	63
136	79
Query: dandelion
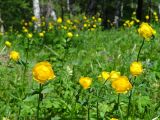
146	31
85	82
8	44
121	84
104	76
14	56
136	68
69	35
42	72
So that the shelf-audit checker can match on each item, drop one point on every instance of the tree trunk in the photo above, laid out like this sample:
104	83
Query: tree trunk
117	13
68	5
159	10
150	8
36	10
1	25
139	10
91	7
50	11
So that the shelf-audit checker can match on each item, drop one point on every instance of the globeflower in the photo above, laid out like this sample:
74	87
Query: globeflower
14	56
42	72
34	18
114	75
121	84
136	68
147	17
59	20
8	44
69	35
85	82
104	76
41	34
146	31
113	119
29	35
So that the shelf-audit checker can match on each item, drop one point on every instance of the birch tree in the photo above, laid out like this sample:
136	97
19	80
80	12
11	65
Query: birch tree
36	11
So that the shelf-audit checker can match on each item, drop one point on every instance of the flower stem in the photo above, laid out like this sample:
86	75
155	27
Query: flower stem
140	50
88	108
130	98
39	100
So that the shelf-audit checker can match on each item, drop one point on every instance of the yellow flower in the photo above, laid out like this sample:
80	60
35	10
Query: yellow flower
59	20
14	55
147	17
29	35
34	18
41	34
136	68
104	76
85	82
99	20
146	31
8	44
84	17
85	25
69	35
94	26
121	84
42	72
113	119
114	75
155	13
134	13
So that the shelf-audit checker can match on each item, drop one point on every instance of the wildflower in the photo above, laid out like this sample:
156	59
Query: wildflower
146	31
147	17
104	76
41	34
136	68
94	26
59	20
113	119
134	13
85	82
99	20
69	35
14	56
42	72
114	75
121	84
84	17
8	44
155	13
85	25
29	35
34	18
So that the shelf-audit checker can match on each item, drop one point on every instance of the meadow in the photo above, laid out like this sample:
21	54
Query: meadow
78	49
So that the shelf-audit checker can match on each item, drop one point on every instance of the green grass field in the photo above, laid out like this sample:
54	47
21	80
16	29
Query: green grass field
87	54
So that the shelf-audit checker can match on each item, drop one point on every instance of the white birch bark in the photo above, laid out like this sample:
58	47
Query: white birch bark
53	15
1	25
36	10
159	9
68	5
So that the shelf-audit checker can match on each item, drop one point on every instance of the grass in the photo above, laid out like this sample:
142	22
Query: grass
86	55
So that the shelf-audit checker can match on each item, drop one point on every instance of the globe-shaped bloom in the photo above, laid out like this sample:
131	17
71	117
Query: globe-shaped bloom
121	84
114	75
136	68
14	56
85	82
146	31
42	72
8	44
104	76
